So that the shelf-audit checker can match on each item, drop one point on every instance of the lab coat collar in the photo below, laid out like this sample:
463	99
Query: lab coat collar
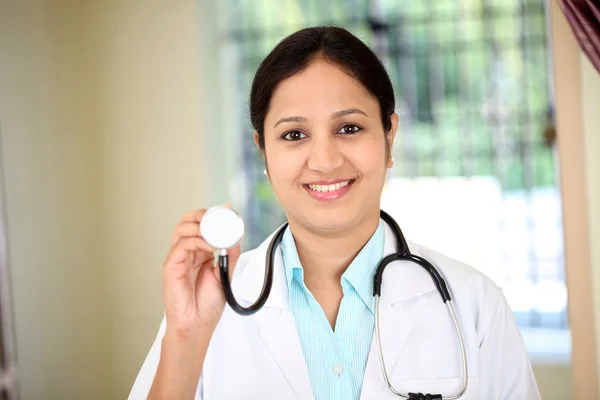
401	280
251	279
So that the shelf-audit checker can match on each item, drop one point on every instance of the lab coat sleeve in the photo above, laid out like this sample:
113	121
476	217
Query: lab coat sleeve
505	370
143	382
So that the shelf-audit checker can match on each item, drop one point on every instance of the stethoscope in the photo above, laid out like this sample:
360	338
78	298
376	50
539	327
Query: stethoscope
223	228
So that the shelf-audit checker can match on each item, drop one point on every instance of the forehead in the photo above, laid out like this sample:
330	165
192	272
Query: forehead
322	88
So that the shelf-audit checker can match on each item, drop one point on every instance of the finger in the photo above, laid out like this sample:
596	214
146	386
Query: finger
196	215
193	216
188	268
187	245
184	229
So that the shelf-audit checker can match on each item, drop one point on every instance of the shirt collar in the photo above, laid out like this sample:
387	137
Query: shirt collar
359	273
291	261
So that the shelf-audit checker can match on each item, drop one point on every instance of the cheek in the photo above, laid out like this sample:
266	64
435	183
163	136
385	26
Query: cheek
284	167
370	158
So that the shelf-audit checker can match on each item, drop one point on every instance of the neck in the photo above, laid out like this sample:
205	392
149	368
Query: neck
326	255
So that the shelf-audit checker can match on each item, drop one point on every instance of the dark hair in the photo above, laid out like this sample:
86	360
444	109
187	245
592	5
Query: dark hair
298	50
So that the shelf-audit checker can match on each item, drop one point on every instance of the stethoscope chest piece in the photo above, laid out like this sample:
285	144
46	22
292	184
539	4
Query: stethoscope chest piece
221	227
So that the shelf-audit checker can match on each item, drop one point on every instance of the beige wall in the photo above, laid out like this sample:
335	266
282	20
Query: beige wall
554	381
151	158
101	142
47	125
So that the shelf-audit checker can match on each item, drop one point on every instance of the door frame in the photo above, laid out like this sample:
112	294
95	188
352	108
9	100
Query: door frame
8	375
566	60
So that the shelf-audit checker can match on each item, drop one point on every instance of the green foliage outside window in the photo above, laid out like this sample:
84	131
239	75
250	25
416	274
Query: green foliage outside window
471	78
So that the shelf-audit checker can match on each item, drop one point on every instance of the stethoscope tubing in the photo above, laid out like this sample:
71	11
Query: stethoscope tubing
268	281
402	254
465	372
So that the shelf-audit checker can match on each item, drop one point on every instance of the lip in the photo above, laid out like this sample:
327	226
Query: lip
329	196
329	182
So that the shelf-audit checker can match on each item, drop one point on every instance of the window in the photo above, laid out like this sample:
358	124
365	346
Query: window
474	173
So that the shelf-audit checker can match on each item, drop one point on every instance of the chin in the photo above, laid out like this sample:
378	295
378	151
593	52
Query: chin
332	219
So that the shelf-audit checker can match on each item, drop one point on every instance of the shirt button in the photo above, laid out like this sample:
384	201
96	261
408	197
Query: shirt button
338	369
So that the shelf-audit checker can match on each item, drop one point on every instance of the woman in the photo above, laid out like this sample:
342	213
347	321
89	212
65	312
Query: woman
322	106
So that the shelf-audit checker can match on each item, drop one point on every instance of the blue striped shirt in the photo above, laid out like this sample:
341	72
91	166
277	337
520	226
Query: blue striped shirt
336	360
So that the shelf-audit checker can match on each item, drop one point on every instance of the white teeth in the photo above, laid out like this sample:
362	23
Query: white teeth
328	188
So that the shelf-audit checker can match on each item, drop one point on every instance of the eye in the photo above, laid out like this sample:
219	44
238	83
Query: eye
293	136
349	129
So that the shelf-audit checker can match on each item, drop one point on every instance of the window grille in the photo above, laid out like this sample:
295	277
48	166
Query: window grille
474	91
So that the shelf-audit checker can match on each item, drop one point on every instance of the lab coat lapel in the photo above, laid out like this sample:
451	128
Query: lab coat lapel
401	280
281	337
395	324
278	327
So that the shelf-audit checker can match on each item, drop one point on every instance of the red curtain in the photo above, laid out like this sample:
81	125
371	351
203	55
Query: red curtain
584	17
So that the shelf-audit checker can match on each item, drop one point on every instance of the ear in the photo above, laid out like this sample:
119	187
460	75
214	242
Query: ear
391	136
257	143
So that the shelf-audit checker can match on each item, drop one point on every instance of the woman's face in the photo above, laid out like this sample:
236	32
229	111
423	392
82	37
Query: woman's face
325	149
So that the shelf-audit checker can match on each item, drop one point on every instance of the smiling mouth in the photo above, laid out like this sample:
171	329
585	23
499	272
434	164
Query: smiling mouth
329	188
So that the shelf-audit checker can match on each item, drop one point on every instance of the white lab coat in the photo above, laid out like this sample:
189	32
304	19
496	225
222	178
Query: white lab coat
259	357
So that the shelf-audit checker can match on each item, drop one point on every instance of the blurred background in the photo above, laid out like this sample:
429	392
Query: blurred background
118	116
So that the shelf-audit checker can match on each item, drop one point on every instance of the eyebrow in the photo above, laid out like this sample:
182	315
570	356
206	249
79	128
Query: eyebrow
290	119
348	111
335	115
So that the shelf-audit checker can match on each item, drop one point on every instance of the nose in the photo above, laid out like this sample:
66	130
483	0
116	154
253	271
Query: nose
325	156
